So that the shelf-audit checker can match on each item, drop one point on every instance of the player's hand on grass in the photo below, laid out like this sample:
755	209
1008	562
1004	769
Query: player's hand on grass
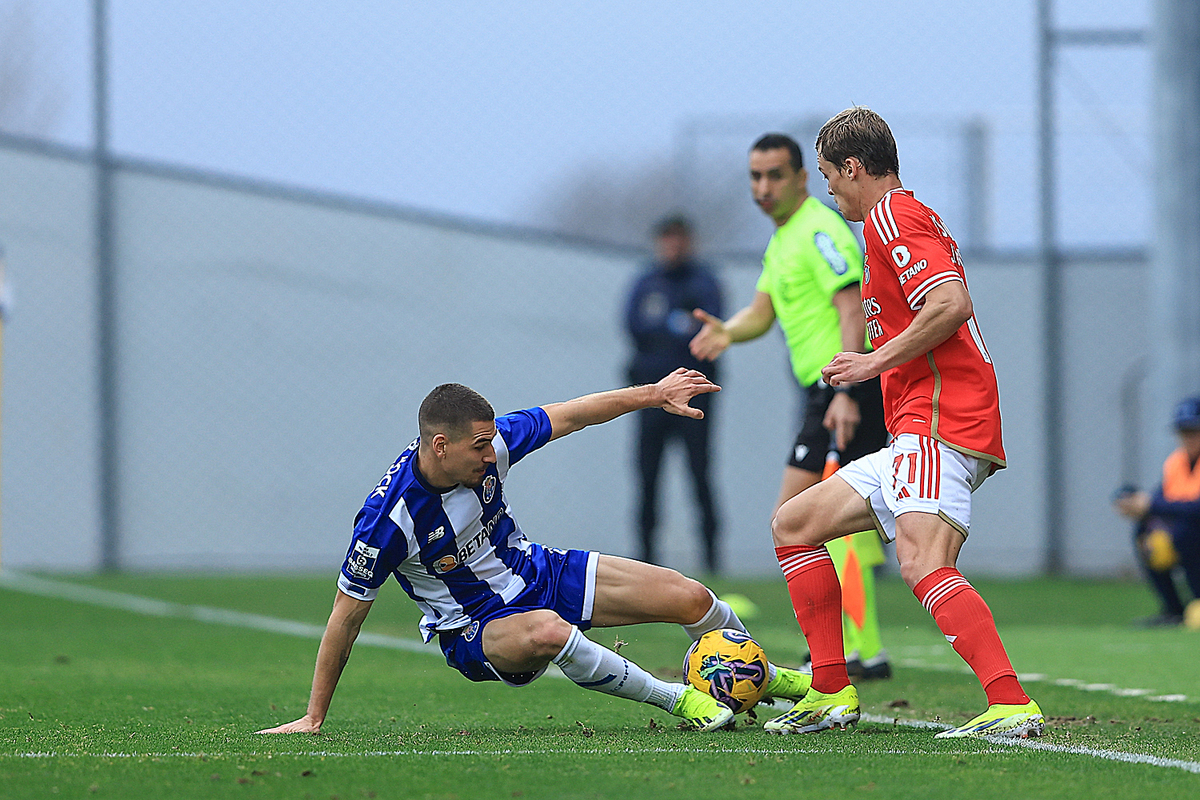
712	339
302	725
680	387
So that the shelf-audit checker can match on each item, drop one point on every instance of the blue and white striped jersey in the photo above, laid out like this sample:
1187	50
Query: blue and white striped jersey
458	554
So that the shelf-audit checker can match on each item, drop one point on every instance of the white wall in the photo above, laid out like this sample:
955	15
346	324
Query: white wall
49	497
274	348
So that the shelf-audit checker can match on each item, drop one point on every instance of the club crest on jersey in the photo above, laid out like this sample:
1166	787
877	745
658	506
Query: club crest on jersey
836	261
489	488
361	561
471	631
435	534
445	564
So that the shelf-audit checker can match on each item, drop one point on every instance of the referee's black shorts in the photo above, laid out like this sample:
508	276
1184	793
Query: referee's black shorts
812	444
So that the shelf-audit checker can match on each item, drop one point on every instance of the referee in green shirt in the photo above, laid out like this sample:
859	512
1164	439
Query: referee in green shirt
812	269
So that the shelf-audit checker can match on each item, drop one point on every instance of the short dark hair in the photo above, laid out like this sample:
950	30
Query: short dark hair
781	141
675	224
450	409
860	133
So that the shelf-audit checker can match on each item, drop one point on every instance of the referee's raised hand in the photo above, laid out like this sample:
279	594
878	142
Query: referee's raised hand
712	339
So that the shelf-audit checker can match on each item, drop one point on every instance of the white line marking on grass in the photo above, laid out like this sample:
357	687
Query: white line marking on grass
1111	755
1037	677
1034	744
221	616
498	752
161	608
993	742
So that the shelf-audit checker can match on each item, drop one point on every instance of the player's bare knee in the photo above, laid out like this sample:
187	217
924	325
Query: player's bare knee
546	633
686	599
791	527
695	601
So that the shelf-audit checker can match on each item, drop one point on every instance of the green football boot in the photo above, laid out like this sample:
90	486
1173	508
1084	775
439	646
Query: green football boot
1011	722
701	712
817	712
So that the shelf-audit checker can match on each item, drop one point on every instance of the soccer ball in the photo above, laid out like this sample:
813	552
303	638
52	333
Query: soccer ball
728	665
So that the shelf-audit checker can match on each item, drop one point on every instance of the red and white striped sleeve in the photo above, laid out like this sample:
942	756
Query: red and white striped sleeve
920	249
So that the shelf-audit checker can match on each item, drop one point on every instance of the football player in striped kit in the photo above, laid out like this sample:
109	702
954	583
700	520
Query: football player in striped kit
942	407
502	607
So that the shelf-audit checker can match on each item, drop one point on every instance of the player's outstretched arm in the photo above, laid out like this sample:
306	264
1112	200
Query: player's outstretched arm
715	336
672	393
947	308
345	621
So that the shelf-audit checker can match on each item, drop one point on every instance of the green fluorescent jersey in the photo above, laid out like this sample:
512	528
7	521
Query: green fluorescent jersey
808	260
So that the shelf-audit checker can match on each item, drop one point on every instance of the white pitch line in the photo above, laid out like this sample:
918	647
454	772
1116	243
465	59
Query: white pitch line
499	752
222	616
161	608
1030	744
1037	677
1034	744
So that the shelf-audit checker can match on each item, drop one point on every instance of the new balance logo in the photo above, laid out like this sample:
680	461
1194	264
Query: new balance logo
436	534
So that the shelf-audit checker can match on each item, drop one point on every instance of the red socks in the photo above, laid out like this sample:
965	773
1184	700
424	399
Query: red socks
817	599
967	622
957	608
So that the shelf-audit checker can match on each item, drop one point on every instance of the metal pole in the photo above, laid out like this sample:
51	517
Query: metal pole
106	301
3	316
1053	444
977	180
1174	324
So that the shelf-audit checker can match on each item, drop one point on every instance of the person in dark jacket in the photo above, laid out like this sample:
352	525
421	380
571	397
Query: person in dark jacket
1167	536
659	319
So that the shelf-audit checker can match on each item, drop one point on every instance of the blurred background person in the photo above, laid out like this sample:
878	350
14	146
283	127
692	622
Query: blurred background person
812	268
658	317
1167	536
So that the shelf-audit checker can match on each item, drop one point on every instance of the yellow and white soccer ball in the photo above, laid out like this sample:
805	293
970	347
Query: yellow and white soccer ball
730	666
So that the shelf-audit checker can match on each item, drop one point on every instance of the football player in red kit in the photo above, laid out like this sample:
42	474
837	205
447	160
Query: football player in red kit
942	407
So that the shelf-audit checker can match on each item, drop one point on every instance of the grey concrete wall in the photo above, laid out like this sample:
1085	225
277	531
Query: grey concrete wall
274	348
49	495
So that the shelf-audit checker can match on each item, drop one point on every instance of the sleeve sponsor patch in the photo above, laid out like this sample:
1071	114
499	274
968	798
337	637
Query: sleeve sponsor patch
361	561
834	257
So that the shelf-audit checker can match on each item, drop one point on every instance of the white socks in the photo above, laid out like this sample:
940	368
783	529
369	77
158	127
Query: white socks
595	667
719	615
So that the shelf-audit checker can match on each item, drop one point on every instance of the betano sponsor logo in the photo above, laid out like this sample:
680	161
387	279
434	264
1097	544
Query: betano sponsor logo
909	273
470	547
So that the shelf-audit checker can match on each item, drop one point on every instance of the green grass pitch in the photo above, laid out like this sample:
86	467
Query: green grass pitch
102	701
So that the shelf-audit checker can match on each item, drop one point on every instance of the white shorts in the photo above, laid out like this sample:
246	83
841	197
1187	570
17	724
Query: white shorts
916	473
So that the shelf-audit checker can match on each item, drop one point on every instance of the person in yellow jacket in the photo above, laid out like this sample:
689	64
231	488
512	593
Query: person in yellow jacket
1168	523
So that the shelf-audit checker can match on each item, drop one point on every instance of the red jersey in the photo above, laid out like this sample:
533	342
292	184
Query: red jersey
950	393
